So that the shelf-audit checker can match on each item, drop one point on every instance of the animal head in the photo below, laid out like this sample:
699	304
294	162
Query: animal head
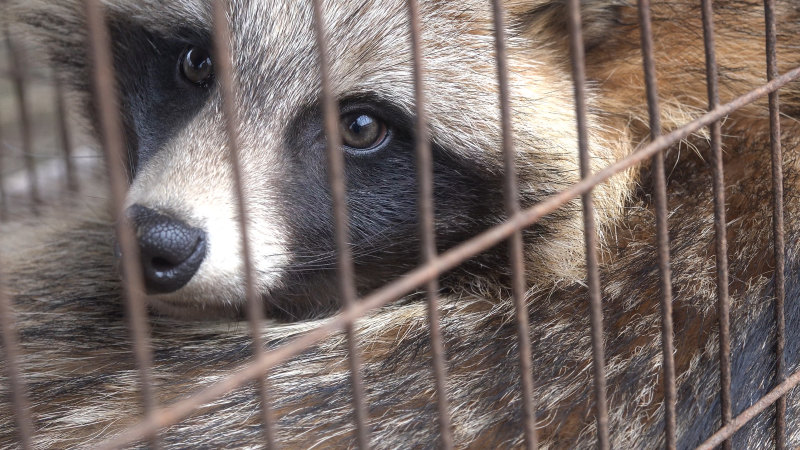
182	198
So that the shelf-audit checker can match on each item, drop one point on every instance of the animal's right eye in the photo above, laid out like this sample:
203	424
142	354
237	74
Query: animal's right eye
196	66
363	132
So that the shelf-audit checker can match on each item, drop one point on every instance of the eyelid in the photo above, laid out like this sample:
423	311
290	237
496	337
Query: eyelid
349	108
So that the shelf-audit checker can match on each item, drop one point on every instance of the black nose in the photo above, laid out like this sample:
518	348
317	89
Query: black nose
170	250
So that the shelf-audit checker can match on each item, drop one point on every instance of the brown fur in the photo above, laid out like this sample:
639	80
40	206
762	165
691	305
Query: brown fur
82	377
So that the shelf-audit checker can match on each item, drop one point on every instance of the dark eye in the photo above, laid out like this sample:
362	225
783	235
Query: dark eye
196	66
361	131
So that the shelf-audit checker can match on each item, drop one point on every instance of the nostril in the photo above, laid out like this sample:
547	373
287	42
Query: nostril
161	264
173	258
171	251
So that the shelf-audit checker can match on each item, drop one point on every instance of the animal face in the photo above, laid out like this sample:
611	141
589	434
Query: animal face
182	198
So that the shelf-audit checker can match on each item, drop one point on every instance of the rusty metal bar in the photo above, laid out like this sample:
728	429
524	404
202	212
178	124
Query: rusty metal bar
662	228
16	384
778	245
17	67
590	234
3	195
750	413
338	184
111	133
255	308
177	411
64	134
427	224
719	221
6	72
516	245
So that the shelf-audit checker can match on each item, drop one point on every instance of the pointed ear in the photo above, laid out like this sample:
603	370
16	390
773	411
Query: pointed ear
546	20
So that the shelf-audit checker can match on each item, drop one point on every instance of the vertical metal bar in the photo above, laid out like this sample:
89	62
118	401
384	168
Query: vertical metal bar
113	144
719	221
662	228
64	134
516	259
255	308
3	195
17	69
444	262
427	225
751	412
777	220
338	185
16	384
593	272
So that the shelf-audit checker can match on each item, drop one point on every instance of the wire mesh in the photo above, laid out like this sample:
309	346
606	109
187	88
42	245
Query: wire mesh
448	260
433	264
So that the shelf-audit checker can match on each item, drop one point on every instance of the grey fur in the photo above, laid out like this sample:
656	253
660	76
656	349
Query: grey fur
76	348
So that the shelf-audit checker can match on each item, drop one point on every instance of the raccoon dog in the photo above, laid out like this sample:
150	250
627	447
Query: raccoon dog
75	345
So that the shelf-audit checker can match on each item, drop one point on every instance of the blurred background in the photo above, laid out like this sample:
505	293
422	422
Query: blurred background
44	156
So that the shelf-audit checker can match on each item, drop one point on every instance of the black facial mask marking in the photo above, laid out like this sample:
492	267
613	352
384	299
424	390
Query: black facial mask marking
381	181
382	201
156	100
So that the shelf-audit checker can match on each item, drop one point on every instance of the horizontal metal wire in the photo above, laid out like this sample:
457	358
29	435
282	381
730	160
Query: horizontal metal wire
750	413
174	413
434	265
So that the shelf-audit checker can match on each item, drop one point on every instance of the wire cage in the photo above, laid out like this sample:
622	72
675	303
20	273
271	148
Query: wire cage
425	276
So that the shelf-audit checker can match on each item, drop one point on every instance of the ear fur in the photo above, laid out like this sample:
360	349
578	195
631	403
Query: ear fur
546	20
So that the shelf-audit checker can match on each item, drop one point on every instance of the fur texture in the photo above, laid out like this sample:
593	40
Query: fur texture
75	344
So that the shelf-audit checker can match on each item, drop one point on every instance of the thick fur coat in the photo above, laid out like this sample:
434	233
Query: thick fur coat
75	344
